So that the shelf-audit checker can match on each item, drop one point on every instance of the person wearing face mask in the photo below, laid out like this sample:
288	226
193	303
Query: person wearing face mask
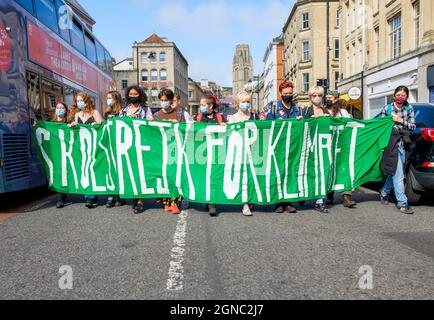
208	114
136	108
397	155
317	110
208	111
61	116
88	115
169	113
285	108
113	109
114	105
333	106
244	105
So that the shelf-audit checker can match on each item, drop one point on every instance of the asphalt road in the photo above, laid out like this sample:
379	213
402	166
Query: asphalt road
114	254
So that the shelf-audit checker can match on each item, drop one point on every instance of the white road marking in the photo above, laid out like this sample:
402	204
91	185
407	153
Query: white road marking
175	282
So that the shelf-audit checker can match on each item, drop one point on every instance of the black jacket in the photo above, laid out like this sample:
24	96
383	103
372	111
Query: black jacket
389	163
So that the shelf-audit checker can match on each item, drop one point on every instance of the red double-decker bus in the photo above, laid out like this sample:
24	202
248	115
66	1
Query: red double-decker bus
42	61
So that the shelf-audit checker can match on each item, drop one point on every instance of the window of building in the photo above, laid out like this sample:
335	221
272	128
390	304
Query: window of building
190	94
124	84
90	47
305	20
163	75
396	36
377	46
416	7
163	57
153	57
337	49
46	12
306	51
154	75
145	76
77	36
154	94
306	82
27	4
337	79
144	57
338	18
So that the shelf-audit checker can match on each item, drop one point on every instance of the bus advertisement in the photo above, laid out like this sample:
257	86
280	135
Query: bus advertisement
41	64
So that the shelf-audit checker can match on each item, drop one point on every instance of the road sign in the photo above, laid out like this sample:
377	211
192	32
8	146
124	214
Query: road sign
355	93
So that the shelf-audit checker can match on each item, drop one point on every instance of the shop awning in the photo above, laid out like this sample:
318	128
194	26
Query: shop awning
355	103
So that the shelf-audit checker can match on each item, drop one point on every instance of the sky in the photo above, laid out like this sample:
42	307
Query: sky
205	31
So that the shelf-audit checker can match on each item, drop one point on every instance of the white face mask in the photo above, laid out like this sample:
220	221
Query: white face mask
317	101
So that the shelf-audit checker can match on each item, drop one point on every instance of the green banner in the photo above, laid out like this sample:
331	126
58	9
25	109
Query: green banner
257	162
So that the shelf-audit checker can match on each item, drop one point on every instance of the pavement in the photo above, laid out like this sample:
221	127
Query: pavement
114	254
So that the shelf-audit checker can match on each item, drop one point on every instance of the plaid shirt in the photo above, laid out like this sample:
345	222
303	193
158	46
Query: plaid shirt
143	112
406	113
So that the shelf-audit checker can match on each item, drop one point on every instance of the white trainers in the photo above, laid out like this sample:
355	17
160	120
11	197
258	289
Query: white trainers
246	211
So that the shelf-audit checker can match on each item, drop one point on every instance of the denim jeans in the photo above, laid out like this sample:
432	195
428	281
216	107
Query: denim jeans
93	198
397	181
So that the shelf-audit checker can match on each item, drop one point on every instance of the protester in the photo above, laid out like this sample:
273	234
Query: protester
88	115
397	155
114	105
178	105
114	108
244	106
285	108
333	105
208	114
136	108
61	116
169	113
317	110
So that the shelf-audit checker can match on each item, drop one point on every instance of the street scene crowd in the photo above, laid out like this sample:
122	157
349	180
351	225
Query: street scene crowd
323	104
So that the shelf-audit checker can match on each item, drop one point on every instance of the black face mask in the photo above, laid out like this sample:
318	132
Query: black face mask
134	100
287	99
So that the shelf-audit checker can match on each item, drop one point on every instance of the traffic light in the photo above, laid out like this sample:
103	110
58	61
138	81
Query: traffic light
322	83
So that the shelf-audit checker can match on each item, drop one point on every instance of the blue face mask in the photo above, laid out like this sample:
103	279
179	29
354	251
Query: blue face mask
60	112
81	105
166	105
110	102
203	109
245	106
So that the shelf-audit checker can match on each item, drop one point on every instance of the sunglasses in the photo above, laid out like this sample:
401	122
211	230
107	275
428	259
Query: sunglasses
317	95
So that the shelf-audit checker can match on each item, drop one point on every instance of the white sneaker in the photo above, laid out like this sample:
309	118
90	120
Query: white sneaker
246	211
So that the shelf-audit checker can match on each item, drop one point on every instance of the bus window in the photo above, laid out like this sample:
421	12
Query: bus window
46	12
64	32
90	47
69	96
27	4
77	38
101	57
109	62
34	94
51	95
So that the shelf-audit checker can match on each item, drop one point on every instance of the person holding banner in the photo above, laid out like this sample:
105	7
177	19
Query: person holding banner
114	108
209	114
135	108
88	115
169	113
244	105
316	110
61	116
285	108
333	105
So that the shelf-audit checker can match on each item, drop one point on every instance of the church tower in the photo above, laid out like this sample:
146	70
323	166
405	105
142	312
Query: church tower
242	68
